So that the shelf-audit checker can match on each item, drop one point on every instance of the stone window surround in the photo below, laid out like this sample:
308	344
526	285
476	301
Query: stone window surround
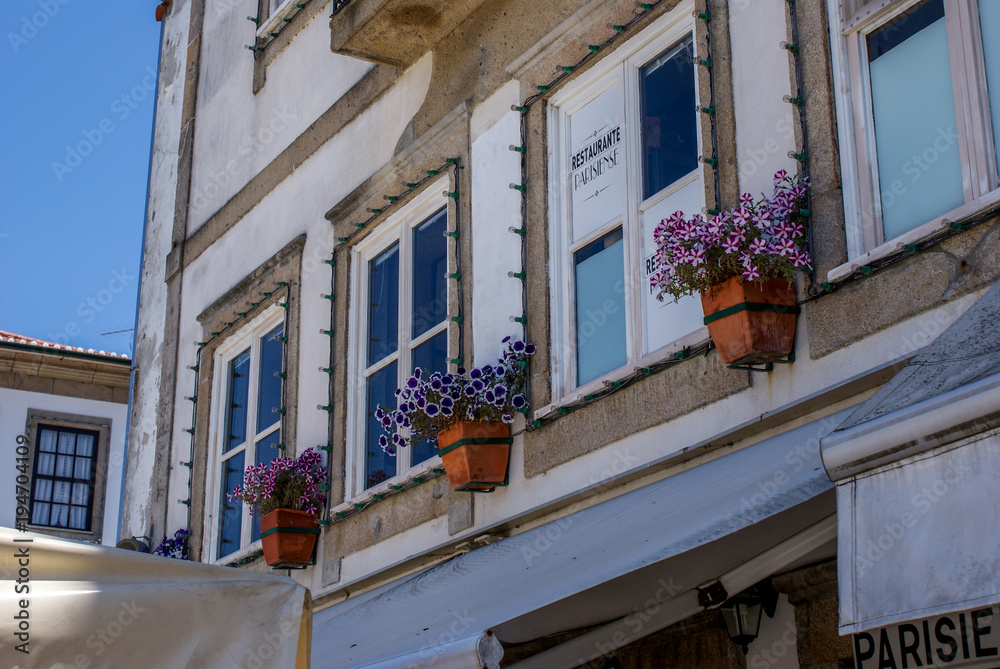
267	22
285	265
102	426
417	210
256	329
638	50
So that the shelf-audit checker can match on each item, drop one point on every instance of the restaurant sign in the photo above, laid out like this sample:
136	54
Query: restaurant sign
966	639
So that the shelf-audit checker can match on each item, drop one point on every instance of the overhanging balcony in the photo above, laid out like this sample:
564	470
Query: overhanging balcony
394	32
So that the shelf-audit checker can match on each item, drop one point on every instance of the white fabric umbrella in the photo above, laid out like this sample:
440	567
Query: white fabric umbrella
66	605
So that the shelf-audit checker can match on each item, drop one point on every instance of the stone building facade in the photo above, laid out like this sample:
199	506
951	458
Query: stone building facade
342	191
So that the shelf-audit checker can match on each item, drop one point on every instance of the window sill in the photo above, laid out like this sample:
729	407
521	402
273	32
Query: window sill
918	234
276	19
235	556
386	487
695	338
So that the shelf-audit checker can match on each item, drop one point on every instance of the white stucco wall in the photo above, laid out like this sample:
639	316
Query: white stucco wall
295	206
238	133
149	336
495	208
14	409
764	130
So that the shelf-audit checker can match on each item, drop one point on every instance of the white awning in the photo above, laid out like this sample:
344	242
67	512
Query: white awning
77	605
917	482
439	616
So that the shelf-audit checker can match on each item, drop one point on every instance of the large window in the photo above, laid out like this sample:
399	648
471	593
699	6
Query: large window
402	304
625	146
68	471
62	483
918	132
249	376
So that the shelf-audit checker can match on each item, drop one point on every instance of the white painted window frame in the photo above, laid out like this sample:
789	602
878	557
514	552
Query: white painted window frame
275	14
397	228
862	205
623	66
249	336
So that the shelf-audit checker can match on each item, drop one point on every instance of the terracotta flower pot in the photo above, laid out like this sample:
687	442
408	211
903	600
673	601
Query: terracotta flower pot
289	538
752	321
475	455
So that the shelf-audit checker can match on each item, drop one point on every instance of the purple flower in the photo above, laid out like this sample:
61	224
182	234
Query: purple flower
432	410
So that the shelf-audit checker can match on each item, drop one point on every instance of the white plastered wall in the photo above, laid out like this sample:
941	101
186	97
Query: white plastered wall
14	408
149	336
296	206
495	209
764	130
237	133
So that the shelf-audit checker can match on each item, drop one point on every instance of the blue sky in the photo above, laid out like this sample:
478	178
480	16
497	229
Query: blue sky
75	125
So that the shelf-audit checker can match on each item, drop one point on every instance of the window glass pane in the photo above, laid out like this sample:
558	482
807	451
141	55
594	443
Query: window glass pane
47	440
989	18
383	308
78	517
431	356
67	442
43	489
40	513
81	469
919	167
230	513
669	129
59	515
61	491
85	444
430	265
45	464
64	466
81	494
239	387
381	391
267	450
269	391
599	270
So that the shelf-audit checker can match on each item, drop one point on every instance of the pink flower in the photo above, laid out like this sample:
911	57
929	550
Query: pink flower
750	273
731	244
758	246
801	259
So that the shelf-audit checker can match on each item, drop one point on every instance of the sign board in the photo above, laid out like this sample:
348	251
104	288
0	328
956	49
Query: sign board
597	162
666	321
966	639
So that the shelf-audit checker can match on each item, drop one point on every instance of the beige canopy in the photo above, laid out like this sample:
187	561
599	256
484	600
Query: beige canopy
75	605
